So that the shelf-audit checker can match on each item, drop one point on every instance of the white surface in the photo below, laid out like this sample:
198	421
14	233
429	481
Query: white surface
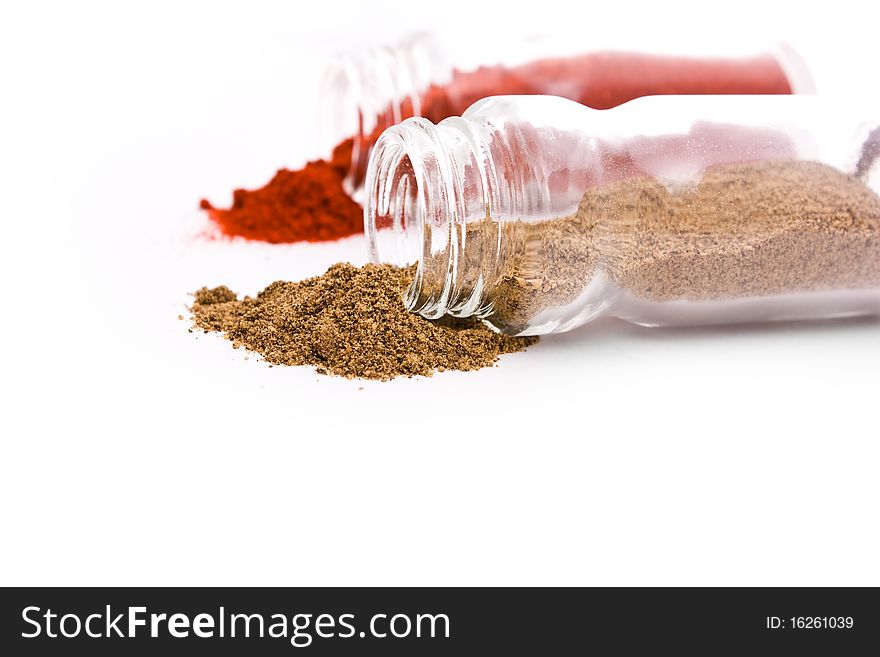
134	452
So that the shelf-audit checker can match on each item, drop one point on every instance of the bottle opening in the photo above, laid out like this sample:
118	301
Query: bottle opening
394	209
367	91
423	187
438	196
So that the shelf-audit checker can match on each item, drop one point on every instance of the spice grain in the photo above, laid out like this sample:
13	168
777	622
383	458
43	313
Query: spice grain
349	322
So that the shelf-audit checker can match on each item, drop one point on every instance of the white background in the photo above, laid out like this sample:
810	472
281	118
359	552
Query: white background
136	453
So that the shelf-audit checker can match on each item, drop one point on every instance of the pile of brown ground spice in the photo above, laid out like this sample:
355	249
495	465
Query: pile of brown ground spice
349	322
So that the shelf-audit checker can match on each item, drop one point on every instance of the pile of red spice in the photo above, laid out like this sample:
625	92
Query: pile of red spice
306	205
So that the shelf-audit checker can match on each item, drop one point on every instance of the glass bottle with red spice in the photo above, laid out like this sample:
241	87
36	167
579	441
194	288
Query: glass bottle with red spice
537	214
369	90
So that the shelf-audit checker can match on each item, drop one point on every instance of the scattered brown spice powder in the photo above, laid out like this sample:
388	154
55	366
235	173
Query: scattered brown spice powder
349	322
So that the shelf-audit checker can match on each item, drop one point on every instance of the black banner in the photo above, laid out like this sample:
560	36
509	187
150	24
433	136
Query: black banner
445	621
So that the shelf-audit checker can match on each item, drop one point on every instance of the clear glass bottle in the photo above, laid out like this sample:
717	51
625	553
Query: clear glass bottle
538	214
440	75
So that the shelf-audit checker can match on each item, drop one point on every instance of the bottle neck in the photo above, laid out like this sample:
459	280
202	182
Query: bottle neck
431	194
473	200
366	91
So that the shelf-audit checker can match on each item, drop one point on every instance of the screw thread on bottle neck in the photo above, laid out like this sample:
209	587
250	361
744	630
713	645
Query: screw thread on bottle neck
366	91
427	188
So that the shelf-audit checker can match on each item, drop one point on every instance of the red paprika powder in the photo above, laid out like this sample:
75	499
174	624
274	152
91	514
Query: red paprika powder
311	204
306	205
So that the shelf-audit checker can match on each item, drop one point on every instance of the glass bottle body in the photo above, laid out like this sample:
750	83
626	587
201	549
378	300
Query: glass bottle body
538	214
369	90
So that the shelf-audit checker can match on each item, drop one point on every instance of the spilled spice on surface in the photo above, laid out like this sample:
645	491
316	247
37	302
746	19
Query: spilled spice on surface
349	322
307	204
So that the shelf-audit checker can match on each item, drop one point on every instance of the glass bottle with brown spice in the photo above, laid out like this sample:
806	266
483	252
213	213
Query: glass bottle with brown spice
538	214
